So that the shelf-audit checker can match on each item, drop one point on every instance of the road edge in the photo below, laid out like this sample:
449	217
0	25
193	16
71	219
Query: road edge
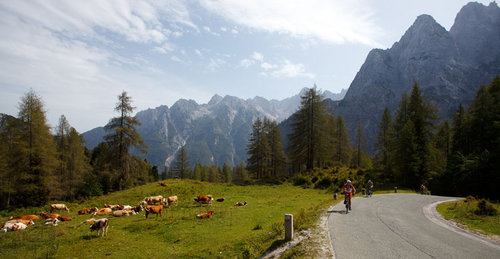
433	215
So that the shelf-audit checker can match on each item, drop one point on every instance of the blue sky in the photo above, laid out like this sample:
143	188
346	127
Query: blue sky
80	55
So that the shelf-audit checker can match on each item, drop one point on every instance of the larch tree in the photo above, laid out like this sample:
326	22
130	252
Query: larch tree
37	151
181	166
258	150
276	150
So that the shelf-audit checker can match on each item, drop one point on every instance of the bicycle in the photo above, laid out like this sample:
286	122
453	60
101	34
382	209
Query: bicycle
347	202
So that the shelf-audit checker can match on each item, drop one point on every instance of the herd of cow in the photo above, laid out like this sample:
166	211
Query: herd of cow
149	205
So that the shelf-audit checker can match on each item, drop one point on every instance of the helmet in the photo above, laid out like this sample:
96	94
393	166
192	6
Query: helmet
369	181
348	181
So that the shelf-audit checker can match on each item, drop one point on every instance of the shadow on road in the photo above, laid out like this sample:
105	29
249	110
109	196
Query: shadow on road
336	211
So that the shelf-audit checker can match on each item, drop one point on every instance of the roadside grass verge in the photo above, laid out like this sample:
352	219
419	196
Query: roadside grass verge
246	231
466	212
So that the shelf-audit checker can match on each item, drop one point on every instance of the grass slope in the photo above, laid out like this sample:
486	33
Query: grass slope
233	231
463	211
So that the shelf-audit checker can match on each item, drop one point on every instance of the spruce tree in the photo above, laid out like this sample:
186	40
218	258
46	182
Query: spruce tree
277	155
181	167
307	140
341	145
77	164
227	173
258	150
384	144
123	136
360	144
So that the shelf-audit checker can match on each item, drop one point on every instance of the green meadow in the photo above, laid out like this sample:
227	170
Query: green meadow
246	231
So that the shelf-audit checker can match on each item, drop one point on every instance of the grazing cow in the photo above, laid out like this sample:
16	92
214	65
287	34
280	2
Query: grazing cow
240	204
93	210
46	216
120	213
61	218
155	209
100	225
58	207
89	221
103	211
26	217
172	199
51	222
153	199
220	200
26	222
205	215
204	199
13	226
163	184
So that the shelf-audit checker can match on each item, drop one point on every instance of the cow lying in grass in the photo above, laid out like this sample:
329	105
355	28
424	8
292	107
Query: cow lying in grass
26	222
46	216
103	211
51	222
240	204
205	215
100	225
172	199
152	200
9	226
26	217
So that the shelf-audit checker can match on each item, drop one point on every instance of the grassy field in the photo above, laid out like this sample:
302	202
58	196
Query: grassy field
463	212
233	231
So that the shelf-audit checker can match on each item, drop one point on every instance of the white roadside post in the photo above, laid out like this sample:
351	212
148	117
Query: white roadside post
288	227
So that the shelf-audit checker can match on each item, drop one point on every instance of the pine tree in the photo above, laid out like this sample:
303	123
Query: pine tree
360	144
385	143
307	139
277	157
37	153
227	173
341	145
181	166
123	136
258	150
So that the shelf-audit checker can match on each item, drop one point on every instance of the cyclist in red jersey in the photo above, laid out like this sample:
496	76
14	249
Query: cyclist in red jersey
349	190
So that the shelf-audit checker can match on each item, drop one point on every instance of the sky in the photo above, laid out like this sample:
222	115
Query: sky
78	56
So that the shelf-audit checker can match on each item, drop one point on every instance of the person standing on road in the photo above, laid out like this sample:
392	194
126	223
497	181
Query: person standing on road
369	187
348	190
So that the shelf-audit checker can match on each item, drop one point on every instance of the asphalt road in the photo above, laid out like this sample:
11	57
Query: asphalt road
394	226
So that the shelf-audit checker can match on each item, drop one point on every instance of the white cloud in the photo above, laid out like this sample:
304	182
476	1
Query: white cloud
224	29
246	62
330	21
176	59
215	63
257	56
267	66
198	52
234	31
288	69
208	30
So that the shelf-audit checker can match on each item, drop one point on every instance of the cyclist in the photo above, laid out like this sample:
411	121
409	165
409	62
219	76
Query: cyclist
349	190
423	189
369	187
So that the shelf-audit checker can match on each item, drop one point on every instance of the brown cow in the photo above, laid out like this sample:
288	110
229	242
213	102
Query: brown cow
83	211
155	209
61	218
137	209
26	217
205	215
220	200
112	207
204	199
163	184
120	213
103	211
46	216
59	206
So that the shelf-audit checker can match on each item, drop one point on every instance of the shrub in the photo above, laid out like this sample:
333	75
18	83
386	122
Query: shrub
485	208
301	180
470	198
324	183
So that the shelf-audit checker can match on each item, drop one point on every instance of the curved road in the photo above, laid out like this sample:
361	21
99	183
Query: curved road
394	226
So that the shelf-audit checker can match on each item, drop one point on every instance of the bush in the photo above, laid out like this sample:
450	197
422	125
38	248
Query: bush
485	208
301	180
324	183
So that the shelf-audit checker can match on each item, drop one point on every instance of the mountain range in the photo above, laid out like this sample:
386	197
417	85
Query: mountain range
212	133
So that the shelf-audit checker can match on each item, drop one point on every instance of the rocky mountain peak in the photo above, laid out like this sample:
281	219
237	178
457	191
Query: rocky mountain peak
215	99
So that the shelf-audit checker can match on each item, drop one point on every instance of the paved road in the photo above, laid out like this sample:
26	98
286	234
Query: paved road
394	226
